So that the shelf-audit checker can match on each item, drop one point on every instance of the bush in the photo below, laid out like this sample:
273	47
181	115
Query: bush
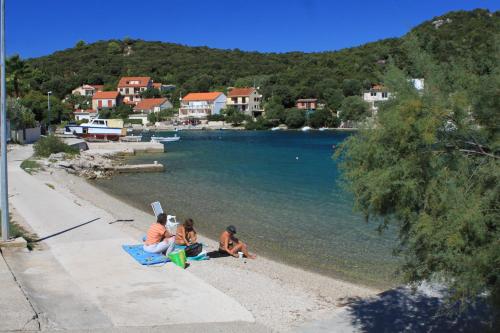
215	117
134	121
295	118
52	145
260	124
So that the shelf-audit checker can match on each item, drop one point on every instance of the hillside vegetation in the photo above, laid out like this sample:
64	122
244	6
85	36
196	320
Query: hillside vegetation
457	38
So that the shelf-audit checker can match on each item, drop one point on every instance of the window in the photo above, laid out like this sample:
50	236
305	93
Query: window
373	93
384	95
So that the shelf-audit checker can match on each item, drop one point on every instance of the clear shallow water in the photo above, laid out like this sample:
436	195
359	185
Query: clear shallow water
279	188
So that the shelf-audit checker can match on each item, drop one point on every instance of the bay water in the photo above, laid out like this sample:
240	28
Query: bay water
280	189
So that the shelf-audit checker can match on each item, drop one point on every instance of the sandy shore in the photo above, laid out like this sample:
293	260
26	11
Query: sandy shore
279	296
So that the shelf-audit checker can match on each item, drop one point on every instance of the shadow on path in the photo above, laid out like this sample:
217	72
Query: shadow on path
400	310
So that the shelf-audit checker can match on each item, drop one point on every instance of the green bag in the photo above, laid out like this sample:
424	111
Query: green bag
178	257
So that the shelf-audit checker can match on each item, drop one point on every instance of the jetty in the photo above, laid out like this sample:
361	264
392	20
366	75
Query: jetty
155	167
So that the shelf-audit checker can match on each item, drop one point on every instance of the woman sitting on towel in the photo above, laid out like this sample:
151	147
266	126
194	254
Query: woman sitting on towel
231	245
158	239
186	235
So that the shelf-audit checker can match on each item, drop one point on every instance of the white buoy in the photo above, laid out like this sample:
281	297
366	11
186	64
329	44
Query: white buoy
296	157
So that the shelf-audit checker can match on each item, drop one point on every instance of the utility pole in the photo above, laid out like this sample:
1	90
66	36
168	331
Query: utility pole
48	108
4	200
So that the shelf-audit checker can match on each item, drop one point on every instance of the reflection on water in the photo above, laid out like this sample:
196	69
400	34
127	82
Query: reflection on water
279	188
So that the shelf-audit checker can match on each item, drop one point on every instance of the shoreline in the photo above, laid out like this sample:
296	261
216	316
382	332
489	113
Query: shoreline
293	294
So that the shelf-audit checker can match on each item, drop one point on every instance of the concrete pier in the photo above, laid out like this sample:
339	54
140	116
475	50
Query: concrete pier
156	167
135	147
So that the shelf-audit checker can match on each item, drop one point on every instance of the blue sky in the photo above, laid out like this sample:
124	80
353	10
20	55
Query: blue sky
40	27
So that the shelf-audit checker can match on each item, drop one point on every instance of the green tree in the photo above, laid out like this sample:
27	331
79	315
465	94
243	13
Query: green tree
16	70
151	93
351	87
275	111
430	168
295	118
353	108
80	44
20	117
234	116
37	102
321	118
79	102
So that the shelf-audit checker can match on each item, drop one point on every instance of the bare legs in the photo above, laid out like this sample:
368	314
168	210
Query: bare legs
241	247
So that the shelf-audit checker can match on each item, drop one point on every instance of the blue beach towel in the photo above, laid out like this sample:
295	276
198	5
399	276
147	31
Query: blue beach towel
144	258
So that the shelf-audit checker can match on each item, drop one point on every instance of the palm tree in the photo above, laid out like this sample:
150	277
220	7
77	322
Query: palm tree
15	70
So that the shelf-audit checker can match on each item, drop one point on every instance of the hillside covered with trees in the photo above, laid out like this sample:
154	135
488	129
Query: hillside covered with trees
465	38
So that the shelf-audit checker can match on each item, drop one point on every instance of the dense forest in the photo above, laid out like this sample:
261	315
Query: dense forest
465	39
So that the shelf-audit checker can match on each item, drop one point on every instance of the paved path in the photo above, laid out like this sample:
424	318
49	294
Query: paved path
16	313
86	281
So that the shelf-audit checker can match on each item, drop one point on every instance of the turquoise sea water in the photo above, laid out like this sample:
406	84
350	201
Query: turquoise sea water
280	189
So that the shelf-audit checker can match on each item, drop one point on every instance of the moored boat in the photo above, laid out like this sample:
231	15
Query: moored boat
160	139
100	129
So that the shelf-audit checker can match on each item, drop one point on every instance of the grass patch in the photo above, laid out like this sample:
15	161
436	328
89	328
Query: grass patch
15	230
30	166
50	185
52	145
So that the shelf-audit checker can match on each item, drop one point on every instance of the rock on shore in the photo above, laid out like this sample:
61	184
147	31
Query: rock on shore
88	164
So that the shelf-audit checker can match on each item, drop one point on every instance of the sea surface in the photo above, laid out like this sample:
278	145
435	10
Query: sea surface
280	189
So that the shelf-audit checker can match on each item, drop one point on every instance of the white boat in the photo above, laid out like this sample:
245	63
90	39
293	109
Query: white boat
132	138
305	129
160	139
101	129
323	129
275	128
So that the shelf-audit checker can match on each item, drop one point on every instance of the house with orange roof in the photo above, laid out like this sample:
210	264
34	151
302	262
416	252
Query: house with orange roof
106	99
130	87
87	89
149	105
246	100
200	105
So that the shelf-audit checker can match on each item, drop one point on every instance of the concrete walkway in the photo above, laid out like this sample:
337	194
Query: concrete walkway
16	313
86	281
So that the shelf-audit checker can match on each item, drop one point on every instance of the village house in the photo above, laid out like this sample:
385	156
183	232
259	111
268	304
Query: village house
149	105
201	105
87	115
309	104
246	100
375	95
106	99
87	89
130	87
163	87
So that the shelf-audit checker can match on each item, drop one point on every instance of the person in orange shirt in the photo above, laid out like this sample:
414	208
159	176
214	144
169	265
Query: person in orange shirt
158	239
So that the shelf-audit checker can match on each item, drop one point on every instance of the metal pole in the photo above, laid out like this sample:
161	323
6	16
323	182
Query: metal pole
48	116
4	201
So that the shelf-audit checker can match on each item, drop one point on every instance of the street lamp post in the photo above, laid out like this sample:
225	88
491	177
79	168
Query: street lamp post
4	195
48	108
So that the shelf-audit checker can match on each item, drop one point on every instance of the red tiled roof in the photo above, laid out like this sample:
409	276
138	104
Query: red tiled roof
235	92
378	87
106	95
307	100
97	87
149	103
201	96
157	85
125	81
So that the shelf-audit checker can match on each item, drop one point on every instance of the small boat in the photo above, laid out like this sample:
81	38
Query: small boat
323	129
305	129
160	139
275	128
132	138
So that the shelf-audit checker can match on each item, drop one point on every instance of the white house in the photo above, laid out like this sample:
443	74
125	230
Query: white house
87	89
246	100
376	94
87	115
201	105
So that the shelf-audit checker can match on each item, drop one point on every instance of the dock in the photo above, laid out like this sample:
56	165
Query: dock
128	148
155	167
